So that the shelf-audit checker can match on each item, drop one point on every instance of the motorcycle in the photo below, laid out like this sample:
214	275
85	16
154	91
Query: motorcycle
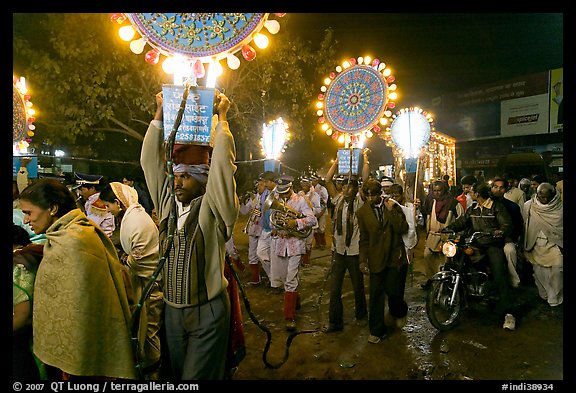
462	279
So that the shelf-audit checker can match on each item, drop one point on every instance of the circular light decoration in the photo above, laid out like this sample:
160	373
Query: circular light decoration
356	99
410	130
23	113
196	37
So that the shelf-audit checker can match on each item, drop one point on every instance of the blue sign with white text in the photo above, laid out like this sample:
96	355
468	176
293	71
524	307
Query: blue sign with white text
344	163
197	117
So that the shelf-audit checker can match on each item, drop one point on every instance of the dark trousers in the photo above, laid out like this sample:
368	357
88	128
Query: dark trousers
500	275
389	282
197	339
340	264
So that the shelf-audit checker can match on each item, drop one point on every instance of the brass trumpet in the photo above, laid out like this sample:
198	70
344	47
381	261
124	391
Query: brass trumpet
255	214
280	215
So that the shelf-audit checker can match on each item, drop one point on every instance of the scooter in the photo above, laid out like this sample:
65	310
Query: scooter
463	278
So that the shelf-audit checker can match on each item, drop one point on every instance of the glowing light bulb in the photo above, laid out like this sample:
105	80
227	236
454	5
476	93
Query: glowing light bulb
233	62
319	105
272	26
261	40
341	138
169	65
214	70
126	33
137	46
218	68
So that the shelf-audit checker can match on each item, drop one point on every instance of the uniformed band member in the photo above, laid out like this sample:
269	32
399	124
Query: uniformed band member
88	187
313	199
287	247
252	207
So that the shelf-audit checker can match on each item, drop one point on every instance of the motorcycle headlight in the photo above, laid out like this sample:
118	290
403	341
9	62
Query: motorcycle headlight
449	249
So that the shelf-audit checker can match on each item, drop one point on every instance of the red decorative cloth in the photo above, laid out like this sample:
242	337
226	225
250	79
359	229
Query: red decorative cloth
190	154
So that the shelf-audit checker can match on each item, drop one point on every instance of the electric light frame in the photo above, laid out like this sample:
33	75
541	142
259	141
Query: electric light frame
375	73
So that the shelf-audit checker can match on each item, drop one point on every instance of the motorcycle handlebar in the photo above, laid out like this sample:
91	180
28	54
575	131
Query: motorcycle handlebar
479	234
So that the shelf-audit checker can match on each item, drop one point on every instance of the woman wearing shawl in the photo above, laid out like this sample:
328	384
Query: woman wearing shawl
440	208
139	240
81	312
544	242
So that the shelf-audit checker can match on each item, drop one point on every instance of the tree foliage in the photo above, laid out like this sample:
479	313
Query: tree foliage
280	82
89	88
86	85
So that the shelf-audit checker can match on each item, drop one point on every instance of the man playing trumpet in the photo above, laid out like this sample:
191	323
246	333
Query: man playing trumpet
292	221
253	207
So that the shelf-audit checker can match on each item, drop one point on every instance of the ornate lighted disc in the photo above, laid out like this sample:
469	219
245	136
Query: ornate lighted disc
197	35
356	99
410	131
19	120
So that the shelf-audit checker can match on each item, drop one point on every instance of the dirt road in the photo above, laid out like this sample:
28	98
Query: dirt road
478	349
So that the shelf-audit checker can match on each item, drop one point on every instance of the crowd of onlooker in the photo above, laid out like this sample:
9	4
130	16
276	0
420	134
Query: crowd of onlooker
114	229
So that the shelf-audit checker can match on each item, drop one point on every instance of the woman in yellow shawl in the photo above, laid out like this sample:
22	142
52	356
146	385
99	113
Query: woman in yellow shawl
81	312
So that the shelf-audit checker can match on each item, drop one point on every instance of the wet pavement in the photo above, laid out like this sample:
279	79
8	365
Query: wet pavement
477	349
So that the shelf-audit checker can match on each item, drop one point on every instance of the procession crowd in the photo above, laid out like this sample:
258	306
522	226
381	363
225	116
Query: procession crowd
113	281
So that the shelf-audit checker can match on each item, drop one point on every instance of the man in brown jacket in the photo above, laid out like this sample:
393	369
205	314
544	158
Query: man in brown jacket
382	224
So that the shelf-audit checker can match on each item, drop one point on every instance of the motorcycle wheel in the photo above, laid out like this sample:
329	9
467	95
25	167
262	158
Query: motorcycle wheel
441	314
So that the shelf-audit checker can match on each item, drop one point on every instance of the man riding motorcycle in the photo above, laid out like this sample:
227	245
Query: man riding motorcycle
488	215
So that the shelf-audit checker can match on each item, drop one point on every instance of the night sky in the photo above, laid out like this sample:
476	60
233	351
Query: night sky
433	54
